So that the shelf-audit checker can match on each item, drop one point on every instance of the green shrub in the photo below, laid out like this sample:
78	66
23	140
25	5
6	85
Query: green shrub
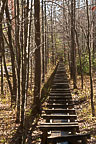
94	64
85	64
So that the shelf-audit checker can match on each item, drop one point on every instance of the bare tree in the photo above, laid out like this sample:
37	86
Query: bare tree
90	65
37	53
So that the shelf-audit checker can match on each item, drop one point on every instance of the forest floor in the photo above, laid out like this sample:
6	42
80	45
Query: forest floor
7	121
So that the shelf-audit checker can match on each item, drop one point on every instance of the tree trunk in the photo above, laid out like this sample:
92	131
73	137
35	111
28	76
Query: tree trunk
43	51
73	45
12	57
24	66
94	31
18	62
79	51
37	54
90	69
29	41
52	35
46	48
1	53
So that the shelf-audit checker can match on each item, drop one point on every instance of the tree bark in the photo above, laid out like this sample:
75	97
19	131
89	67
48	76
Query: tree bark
53	60
18	61
37	54
73	45
43	50
90	66
12	57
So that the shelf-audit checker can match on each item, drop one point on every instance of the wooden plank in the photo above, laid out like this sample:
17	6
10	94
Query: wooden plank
60	124
60	106
61	101
57	116
60	80
60	94
61	89
60	83
60	97
60	128
52	111
68	138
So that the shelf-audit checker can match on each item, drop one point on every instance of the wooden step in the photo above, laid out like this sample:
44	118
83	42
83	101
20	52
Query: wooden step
60	124
60	106
60	83
60	80
69	138
60	97
61	101
60	127
59	86
61	73
60	94
65	111
59	117
64	77
60	89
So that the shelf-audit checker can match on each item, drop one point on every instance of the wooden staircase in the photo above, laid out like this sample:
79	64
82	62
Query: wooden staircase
61	123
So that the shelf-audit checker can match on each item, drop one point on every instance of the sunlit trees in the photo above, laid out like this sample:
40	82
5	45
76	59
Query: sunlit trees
33	35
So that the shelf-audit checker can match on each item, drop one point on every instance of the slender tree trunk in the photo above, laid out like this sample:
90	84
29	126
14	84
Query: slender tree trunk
6	71
43	51
2	76
1	42
79	51
52	34
29	41
47	45
1	52
18	62
24	66
94	30
64	34
12	57
90	66
73	45
37	54
55	35
46	49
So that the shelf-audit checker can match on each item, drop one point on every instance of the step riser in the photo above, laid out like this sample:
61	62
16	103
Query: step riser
60	111
70	129
61	102
61	106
